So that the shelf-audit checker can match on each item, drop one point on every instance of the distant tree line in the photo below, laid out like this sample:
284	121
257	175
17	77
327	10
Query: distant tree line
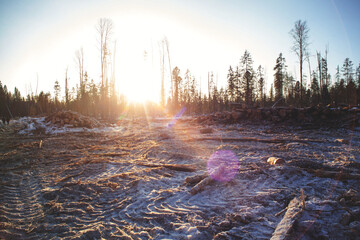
245	85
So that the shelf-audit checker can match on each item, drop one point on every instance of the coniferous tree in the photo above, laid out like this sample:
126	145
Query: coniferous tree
280	69
358	83
337	74
271	93
247	79
297	94
66	87
231	84
177	84
238	89
315	89
288	86
56	91
261	84
347	70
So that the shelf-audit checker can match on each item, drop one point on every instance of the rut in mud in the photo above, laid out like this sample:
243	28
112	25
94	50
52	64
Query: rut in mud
123	183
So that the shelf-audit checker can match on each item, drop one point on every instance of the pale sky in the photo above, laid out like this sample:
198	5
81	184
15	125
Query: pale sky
39	38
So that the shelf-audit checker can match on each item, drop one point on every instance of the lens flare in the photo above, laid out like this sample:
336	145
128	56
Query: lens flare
177	116
223	165
122	115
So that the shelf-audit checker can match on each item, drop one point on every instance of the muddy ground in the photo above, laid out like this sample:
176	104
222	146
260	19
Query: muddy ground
117	183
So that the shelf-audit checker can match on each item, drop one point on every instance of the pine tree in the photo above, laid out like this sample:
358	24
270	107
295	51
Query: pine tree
247	80
177	84
261	83
231	84
237	80
347	70
315	90
280	69
337	74
358	75
271	92
56	91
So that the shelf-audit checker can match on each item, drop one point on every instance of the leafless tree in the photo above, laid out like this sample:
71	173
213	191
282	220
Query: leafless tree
162	66
166	42
104	28
79	58
66	86
300	35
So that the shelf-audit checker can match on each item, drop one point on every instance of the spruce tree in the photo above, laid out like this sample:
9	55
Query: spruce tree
280	69
231	85
247	79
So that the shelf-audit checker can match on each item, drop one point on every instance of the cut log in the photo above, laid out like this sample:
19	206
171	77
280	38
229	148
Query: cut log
206	130
275	161
175	167
195	179
269	140
334	174
201	185
294	210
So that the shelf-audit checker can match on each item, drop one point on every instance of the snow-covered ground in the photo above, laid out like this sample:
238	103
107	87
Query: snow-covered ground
117	182
36	125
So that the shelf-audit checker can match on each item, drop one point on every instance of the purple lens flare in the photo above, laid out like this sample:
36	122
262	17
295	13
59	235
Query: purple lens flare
177	116
223	165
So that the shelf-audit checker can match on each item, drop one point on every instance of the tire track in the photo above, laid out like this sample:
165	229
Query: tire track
21	208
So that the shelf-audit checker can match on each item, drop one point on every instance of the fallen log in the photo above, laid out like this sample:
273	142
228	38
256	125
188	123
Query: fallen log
294	210
206	130
64	179
119	154
201	185
175	167
341	175
249	139
195	179
275	161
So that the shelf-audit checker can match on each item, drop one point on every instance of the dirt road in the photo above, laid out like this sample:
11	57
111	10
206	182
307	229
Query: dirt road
128	182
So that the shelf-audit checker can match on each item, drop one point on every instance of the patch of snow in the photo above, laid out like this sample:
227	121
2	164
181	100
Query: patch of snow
29	125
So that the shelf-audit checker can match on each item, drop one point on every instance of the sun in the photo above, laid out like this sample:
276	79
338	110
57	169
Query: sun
139	81
138	63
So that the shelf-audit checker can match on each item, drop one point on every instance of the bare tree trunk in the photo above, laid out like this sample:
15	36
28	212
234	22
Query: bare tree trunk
171	78
162	62
301	76
66	87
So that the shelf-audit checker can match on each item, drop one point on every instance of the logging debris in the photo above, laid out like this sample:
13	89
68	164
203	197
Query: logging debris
286	224
175	167
316	116
275	161
73	119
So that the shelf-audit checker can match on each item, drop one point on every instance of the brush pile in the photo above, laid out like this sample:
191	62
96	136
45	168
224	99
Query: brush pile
339	117
73	119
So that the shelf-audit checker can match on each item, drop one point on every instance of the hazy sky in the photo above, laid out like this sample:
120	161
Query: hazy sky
39	38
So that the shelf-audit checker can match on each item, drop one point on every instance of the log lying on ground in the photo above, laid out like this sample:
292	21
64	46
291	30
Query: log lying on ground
283	229
275	161
175	167
73	119
195	179
206	130
249	139
338	175
201	185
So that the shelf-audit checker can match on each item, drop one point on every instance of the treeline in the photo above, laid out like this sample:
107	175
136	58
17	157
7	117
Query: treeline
245	85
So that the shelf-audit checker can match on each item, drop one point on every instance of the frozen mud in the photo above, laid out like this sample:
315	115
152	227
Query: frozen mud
120	182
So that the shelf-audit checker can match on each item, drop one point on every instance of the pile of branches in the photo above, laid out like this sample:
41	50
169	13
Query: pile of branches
339	117
72	119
